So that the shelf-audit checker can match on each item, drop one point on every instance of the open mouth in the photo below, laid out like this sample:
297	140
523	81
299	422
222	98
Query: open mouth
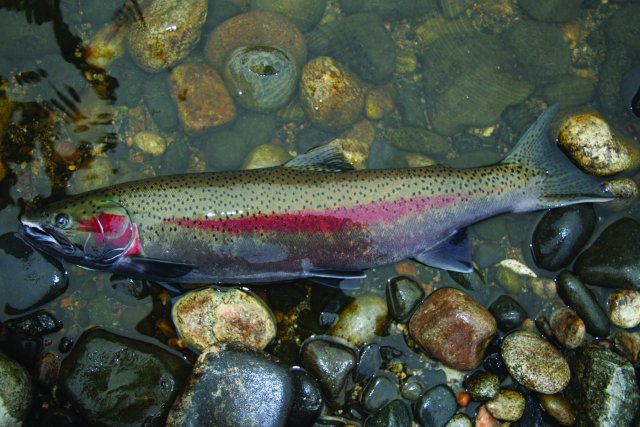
47	239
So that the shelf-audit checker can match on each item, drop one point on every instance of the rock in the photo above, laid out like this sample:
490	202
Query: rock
567	327
436	406
453	328
369	362
379	102
266	156
561	234
569	91
47	369
114	380
459	420
579	297
619	30
630	91
558	407
28	278
331	97
307	403
202	99
419	140
331	363
378	392
624	191
234	387
603	386
150	143
624	308
403	296
255	29
34	324
588	140
613	260
535	363
160	104
395	414
508	405
552	10
167	34
513	275
105	46
361	320
223	315
412	388
507	312
627	344
483	385
256	128
304	13
386	9
15	392
534	415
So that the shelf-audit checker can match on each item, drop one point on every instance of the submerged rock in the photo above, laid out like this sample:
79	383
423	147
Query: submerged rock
361	320
15	392
436	406
579	297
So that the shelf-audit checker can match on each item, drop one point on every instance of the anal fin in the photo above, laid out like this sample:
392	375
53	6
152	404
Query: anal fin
452	253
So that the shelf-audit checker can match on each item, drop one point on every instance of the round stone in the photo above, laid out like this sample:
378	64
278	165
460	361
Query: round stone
508	405
558	407
361	320
624	308
567	327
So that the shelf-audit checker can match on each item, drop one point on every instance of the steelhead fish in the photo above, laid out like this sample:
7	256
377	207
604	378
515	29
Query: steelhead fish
314	217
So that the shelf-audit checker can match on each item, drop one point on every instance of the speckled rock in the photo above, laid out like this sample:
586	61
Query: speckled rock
202	99
396	413
331	97
589	142
361	320
624	308
559	408
453	328
168	33
150	143
535	363
483	385
15	392
567	327
215	316
251	29
233	387
508	405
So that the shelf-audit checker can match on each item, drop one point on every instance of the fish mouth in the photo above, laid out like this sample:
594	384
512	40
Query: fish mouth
48	240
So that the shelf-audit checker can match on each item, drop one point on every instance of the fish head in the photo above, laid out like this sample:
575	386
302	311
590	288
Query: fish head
90	231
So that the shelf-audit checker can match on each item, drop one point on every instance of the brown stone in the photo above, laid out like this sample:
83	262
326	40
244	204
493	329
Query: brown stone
453	328
202	99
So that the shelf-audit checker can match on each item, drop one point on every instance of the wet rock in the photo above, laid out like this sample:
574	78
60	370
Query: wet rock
508	405
361	42
361	320
223	315
579	297
331	97
15	392
105	46
627	344
419	140
561	234
569	91
369	361
552	10
202	99
47	368
625	192
403	296
436	406
150	143
160	104
588	140
513	275
483	385
115	380
255	29
307	403
613	260
495	364
412	388
262	391
35	324
459	420
453	328
534	415
559	408
379	391
603	386
379	102
331	363
304	13
395	414
473	281
624	308
28	278
568	328
507	312
535	363
266	156
167	34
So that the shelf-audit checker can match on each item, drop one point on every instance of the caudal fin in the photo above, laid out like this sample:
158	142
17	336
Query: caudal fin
562	182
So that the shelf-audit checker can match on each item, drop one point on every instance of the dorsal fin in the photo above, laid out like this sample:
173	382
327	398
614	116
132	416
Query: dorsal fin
324	158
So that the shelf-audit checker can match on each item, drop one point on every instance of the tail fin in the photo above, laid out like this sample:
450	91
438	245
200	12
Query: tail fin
562	183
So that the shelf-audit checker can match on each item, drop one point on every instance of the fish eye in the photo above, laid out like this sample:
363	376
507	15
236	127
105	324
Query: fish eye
61	220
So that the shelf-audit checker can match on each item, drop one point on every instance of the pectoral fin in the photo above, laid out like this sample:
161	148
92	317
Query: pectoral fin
452	253
153	269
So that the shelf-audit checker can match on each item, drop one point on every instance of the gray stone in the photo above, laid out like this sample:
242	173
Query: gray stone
579	297
436	406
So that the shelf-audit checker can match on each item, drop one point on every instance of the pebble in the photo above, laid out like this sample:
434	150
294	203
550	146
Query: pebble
150	143
508	405
627	344
266	156
412	388
403	296
34	324
395	414
625	193
47	369
378	392
369	362
331	97
624	308
507	312
379	102
579	297
568	328
559	408
561	234
235	387
603	386
453	328
613	260
105	46
16	392
459	420
589	142
513	275
419	140
169	31
535	363
361	320
308	402
201	96
436	406
483	385
223	315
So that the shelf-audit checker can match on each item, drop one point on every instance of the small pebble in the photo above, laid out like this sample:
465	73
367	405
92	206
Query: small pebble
150	143
558	407
483	385
568	328
508	405
361	320
627	344
624	308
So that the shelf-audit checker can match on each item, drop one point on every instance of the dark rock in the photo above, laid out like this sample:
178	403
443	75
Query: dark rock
508	313
29	278
494	364
534	415
561	234
614	258
379	391
330	362
65	345
118	381
307	403
328	421
483	385
603	386
436	406
395	414
156	95
233	387
403	295
579	297
130	288
369	362
472	281
35	324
